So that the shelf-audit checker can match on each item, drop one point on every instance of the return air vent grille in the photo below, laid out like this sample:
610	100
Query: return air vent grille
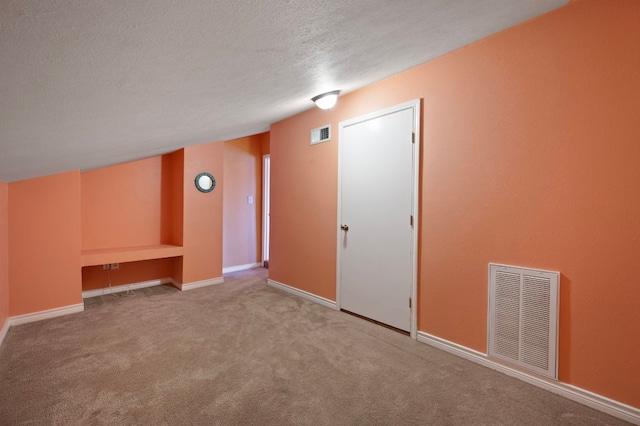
523	317
321	134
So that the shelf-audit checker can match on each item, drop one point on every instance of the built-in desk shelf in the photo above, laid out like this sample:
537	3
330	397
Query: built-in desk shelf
129	254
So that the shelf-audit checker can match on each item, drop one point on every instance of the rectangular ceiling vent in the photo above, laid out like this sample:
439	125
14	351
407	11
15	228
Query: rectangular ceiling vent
321	134
523	318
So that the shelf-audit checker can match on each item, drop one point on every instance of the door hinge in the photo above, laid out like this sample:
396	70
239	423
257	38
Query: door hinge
409	303
411	220
413	137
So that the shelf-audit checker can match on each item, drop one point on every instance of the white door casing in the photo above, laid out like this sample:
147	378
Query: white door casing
377	199
266	206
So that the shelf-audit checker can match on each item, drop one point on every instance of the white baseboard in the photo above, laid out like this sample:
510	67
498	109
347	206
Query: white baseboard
241	267
304	294
49	313
125	287
574	393
4	330
198	284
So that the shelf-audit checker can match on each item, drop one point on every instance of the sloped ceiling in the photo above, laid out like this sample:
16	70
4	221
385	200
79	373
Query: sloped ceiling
89	83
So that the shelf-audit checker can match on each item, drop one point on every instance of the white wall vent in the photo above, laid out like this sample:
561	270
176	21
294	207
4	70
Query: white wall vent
321	134
523	318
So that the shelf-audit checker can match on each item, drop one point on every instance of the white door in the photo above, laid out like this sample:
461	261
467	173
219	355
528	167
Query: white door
376	239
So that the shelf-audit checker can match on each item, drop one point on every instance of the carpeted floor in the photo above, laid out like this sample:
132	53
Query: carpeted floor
244	353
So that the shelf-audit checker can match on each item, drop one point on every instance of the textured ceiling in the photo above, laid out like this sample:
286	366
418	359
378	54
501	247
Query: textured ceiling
89	83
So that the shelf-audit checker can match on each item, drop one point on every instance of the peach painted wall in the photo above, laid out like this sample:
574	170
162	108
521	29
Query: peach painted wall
176	163
242	232
530	157
202	259
94	277
173	170
129	205
266	143
122	205
44	243
302	251
4	253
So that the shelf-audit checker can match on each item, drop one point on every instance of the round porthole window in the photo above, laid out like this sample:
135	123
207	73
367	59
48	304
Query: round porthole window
205	182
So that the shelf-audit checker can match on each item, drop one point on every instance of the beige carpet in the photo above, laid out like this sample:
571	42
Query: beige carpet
243	353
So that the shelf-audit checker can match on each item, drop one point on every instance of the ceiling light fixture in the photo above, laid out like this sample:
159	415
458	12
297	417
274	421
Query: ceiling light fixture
326	100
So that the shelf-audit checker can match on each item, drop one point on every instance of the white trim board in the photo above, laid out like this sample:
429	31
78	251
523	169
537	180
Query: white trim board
49	313
303	294
4	330
574	393
266	205
38	316
198	284
241	267
125	287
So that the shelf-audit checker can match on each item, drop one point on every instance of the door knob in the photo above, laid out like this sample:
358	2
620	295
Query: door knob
344	227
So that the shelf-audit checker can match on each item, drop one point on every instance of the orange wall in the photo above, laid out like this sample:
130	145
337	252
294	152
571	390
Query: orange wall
173	169
122	205
530	157
242	231
44	243
128	205
176	162
266	143
94	277
202	259
4	253
302	251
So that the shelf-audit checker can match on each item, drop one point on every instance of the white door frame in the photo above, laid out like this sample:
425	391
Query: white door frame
415	104
266	201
